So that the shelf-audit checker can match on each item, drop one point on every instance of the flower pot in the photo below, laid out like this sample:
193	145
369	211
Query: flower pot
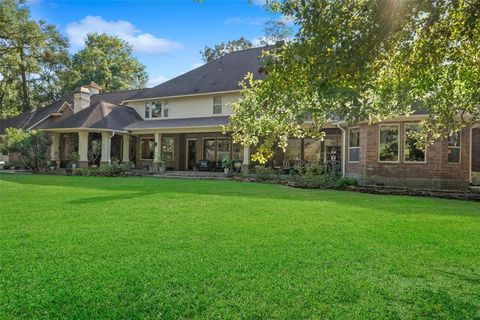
226	170
74	166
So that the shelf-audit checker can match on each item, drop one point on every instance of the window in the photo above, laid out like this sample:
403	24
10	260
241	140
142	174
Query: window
209	149
147	110
223	149
147	148
237	152
156	109
312	149
414	151
454	147
389	143
168	148
294	149
166	107
354	145
217	105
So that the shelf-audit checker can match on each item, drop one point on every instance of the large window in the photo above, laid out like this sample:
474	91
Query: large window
294	149
354	145
168	148
389	143
217	105
454	147
312	149
237	152
156	109
223	149
209	149
414	151
147	148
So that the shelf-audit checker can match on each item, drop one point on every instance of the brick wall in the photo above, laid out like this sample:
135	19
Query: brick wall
435	173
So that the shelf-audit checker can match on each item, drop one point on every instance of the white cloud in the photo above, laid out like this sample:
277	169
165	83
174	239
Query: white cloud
249	21
156	81
197	64
141	42
259	2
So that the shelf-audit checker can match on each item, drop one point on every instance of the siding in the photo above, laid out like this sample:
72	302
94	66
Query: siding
191	107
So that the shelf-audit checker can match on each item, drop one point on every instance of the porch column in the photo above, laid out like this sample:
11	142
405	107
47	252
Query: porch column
126	148
246	159
158	147
106	147
83	148
54	149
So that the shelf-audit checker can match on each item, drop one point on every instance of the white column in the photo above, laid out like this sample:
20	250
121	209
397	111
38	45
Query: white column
158	146
246	155
126	148
106	147
83	146
54	149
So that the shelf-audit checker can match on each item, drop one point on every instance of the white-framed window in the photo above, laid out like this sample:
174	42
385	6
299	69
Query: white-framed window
147	148
414	151
389	143
168	148
454	147
217	105
156	109
223	149
147	110
354	145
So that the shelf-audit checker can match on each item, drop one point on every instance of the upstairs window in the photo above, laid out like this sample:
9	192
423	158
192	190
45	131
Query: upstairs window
388	150
217	105
414	151
147	110
354	145
454	147
156	109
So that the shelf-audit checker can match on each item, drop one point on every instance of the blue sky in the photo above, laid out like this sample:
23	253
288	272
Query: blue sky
167	35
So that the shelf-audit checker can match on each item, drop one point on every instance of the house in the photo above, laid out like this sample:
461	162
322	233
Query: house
180	121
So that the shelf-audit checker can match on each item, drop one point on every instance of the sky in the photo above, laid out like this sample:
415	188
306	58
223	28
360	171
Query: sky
167	36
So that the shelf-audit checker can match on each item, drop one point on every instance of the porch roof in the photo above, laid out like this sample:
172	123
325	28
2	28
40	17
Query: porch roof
179	123
100	116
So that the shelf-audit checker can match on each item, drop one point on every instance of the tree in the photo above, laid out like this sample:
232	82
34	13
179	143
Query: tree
365	60
31	54
275	31
108	61
219	50
30	145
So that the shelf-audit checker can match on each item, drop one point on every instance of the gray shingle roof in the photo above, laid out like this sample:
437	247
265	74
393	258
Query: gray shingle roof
179	123
28	119
115	97
223	74
101	115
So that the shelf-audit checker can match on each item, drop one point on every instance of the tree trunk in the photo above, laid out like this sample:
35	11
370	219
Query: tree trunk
23	74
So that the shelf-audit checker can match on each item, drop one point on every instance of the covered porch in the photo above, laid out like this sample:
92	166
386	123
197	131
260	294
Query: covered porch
89	148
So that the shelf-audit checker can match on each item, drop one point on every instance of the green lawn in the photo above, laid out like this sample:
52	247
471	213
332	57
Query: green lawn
89	248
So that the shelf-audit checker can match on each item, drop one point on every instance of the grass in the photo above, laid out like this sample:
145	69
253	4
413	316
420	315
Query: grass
96	248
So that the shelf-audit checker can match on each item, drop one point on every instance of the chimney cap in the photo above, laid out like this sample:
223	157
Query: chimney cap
93	85
82	90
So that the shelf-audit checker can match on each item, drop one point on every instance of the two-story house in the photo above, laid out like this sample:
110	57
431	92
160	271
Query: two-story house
180	122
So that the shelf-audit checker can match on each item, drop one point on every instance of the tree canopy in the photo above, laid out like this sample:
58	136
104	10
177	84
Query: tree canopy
108	61
212	53
365	60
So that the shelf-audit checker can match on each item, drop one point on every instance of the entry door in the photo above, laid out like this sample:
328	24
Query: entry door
191	154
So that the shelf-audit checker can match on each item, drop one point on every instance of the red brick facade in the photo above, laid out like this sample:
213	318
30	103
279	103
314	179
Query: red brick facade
435	173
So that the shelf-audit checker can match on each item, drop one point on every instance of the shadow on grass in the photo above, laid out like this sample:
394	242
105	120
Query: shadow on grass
134	187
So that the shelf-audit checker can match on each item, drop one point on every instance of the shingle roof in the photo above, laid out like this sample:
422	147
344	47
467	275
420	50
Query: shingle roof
223	74
179	123
28	119
101	115
115	97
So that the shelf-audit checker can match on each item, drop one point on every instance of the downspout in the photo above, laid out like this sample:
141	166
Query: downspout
344	142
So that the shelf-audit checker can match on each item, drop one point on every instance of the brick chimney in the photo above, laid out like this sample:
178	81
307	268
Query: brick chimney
81	99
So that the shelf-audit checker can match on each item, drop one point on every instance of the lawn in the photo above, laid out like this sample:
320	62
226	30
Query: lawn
90	248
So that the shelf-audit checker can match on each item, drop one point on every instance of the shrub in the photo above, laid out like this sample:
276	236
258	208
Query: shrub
263	173
104	170
343	182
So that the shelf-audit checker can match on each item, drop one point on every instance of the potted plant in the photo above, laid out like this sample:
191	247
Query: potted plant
53	165
74	157
227	165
